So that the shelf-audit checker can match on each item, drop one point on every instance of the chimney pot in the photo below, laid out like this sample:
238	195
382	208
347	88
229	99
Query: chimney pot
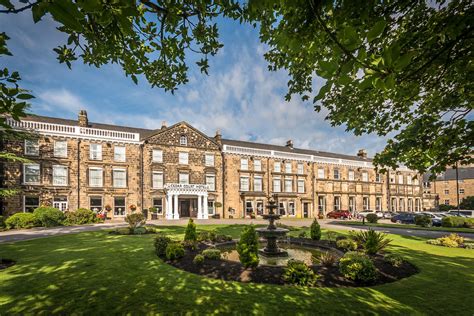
82	118
163	124
218	137
362	153
289	144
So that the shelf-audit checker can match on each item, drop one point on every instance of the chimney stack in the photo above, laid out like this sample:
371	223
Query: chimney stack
218	137
289	144
362	153
163	125
82	118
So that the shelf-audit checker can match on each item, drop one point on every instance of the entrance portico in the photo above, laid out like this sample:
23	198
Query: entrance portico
179	197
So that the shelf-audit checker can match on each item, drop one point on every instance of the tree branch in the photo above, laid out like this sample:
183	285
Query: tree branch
26	7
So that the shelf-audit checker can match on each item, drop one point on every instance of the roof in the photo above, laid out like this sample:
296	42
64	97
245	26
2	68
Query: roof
291	150
54	120
450	174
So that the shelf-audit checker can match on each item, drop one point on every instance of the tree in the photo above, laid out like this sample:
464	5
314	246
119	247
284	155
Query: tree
395	68
400	69
467	203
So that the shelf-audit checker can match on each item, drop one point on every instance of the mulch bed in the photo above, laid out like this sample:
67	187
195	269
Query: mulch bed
6	263
330	276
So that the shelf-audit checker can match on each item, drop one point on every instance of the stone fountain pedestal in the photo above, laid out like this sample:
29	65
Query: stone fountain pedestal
271	233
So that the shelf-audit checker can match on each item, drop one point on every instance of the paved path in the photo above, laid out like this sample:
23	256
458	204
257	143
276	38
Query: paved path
26	234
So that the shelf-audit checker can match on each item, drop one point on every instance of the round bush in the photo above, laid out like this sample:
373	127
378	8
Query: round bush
358	267
372	218
139	231
198	259
80	216
161	243
346	244
174	251
423	220
315	230
49	216
394	259
21	220
298	273
212	253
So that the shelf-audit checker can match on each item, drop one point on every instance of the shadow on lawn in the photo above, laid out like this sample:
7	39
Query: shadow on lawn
97	273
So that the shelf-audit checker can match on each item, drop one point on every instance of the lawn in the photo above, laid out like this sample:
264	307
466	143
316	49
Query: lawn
98	273
407	226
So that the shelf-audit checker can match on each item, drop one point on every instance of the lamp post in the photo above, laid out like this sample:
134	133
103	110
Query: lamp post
457	186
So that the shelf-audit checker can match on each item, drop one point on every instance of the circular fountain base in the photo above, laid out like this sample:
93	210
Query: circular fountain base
273	253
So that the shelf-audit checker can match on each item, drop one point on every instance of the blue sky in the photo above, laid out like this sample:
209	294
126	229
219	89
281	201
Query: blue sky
240	97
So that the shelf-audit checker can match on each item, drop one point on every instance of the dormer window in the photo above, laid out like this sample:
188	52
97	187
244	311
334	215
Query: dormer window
183	140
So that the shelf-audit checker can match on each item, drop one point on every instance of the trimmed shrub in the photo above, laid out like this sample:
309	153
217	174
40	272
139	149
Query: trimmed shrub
298	273
190	244
357	267
247	247
161	242
330	235
21	220
80	216
212	253
371	241
372	218
456	221
423	220
49	216
302	234
469	246
315	230
198	260
203	236
346	244
212	235
121	231
394	259
139	231
174	251
2	222
327	259
135	220
190	233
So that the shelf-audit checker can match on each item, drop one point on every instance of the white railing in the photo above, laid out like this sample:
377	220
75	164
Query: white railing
74	131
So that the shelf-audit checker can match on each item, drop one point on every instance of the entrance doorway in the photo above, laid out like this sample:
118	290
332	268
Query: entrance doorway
305	210
184	208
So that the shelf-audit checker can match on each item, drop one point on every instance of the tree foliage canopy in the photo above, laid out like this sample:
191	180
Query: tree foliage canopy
401	69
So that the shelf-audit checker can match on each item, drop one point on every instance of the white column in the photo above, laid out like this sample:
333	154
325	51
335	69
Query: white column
168	206
206	211
175	208
199	206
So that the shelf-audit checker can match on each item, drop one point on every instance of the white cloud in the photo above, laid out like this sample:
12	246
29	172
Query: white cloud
60	100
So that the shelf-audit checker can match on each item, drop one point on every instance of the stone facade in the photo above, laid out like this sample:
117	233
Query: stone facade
180	172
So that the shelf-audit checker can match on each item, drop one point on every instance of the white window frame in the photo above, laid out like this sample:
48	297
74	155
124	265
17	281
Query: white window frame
183	158
337	206
183	140
60	148
277	188
288	189
211	181
409	180
157	180
337	172
258	183
259	206
211	209
118	155
98	169
378	177
244	183
378	203
32	144
158	206
300	168
291	208
322	206
209	160
157	155
25	165
288	167
365	203
95	153
365	176
400	179
352	203
33	205
244	164
124	211
257	165
301	186
321	173
183	178
101	203
277	166
56	177
114	178
461	190
351	175
60	205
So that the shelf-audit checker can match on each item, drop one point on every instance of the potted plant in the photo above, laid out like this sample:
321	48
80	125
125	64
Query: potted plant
133	207
154	212
108	208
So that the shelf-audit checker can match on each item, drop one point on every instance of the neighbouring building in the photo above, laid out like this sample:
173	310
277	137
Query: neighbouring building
181	172
442	189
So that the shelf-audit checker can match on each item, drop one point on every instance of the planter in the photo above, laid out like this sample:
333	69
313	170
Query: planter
154	216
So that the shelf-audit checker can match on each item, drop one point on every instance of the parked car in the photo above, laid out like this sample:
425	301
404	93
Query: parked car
435	218
339	214
388	215
364	214
465	213
404	218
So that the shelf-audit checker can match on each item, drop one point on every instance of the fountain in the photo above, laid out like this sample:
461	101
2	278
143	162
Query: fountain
271	233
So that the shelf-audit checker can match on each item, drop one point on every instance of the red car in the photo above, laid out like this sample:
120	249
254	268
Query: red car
339	214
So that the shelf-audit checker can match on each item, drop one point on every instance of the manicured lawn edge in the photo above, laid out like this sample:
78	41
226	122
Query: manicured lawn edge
408	226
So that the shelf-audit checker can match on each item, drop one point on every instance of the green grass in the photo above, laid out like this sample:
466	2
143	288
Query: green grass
98	273
407	226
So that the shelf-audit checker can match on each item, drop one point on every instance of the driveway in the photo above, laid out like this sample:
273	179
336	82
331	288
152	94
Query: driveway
26	234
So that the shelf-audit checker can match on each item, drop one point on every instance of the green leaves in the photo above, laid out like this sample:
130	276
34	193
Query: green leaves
67	13
376	30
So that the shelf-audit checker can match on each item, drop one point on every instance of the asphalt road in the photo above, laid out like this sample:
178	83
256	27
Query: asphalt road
27	234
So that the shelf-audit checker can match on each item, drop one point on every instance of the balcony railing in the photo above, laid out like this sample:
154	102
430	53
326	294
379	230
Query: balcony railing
74	131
